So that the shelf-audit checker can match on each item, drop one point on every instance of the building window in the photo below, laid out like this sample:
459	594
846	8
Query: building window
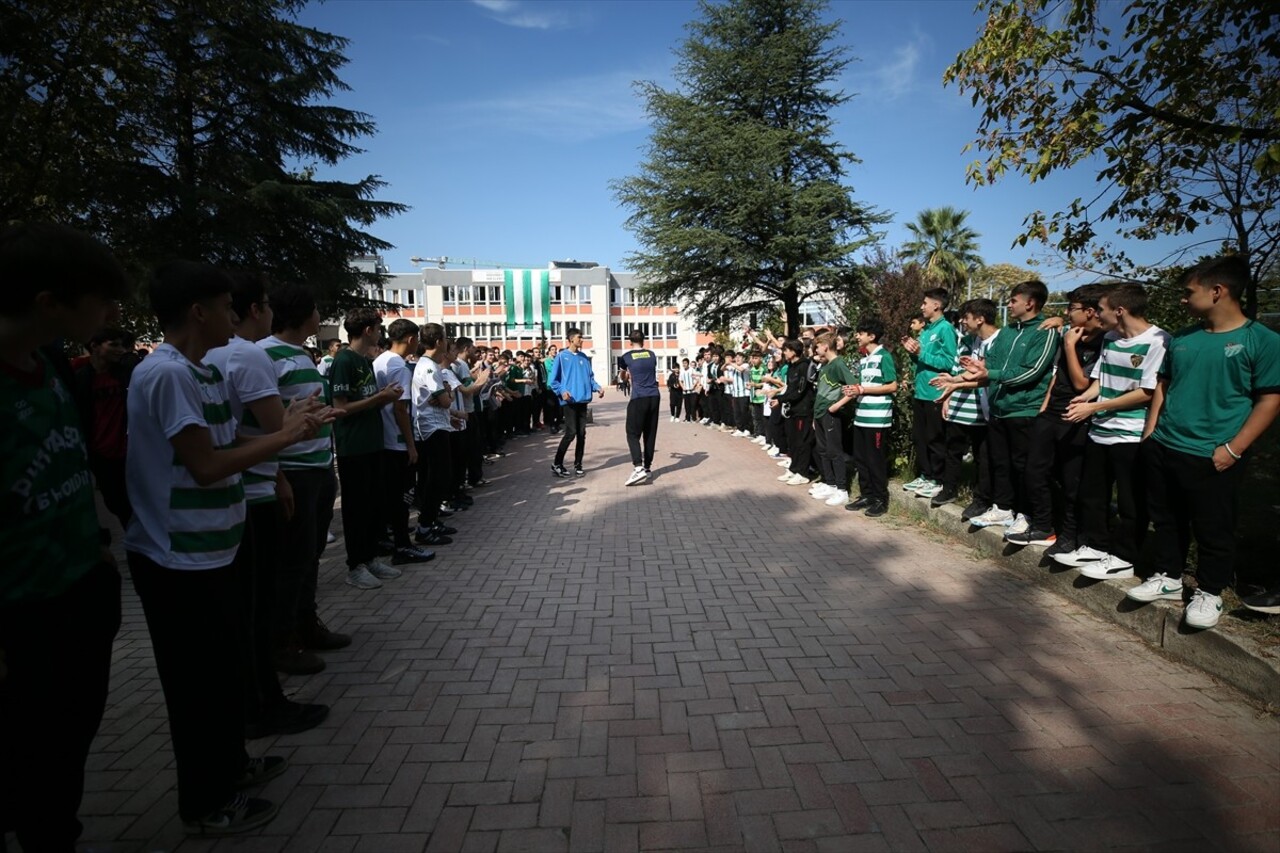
585	326
671	331
409	297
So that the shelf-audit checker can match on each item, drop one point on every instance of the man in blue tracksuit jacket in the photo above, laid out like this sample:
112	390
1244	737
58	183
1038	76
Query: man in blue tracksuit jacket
573	384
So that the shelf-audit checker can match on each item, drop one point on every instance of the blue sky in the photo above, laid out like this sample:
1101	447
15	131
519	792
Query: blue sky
501	123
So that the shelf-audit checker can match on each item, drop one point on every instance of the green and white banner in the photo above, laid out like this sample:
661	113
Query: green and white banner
527	297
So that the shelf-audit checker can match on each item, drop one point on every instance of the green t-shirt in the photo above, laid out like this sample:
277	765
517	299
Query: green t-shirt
757	392
514	373
1213	380
832	376
352	377
50	537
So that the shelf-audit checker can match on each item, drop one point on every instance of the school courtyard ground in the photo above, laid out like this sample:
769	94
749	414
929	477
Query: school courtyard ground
712	661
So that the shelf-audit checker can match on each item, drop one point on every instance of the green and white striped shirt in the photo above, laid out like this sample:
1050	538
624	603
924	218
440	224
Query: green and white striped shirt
298	377
875	411
968	406
1125	365
177	522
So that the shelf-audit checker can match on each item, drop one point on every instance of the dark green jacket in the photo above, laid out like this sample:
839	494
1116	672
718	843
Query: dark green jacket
1020	367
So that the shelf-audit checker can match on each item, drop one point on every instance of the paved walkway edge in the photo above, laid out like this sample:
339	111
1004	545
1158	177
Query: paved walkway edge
1222	653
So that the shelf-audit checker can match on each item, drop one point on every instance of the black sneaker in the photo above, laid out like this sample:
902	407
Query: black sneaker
240	814
432	538
315	635
876	509
445	510
479	484
974	510
295	660
559	471
412	554
443	529
861	503
1263	602
1031	536
942	498
578	472
287	718
1061	546
259	770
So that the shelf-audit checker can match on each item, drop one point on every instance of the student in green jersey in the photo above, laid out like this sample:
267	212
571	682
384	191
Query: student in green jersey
184	467
965	412
59	588
358	438
933	354
829	410
1219	391
872	420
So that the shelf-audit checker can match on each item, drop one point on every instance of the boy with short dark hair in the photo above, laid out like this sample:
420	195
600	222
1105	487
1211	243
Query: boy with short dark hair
872	420
933	354
102	386
59	588
829	410
1219	392
358	438
965	411
184	475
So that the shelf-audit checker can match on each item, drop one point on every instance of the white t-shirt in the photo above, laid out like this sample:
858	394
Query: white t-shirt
1124	365
429	381
178	523
250	376
461	402
389	369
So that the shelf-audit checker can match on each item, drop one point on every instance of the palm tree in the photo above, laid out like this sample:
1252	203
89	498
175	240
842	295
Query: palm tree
943	245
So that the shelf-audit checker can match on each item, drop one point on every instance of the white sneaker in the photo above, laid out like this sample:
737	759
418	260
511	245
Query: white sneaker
705	421
1204	611
928	490
994	517
360	578
821	491
760	440
797	480
838	497
1080	556
1109	566
1020	525
784	463
638	475
784	477
1156	587
383	570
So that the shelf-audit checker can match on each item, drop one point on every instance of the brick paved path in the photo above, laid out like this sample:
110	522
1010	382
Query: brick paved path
711	660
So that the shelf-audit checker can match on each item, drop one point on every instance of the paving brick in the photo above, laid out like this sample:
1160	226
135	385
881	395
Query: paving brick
666	678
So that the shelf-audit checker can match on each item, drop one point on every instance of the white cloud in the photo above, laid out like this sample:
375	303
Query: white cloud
575	108
526	16
892	76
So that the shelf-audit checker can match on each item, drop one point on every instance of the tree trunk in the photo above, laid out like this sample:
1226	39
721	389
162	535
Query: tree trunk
791	308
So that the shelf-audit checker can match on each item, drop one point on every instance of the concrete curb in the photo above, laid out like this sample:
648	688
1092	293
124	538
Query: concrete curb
1223	653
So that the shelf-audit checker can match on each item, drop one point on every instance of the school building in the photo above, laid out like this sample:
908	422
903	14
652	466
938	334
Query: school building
514	309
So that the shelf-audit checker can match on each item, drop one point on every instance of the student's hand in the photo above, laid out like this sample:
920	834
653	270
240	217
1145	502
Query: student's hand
104	556
1222	460
1071	336
566	396
1078	411
481	376
969	362
299	423
389	394
284	497
413	454
945	402
943	380
1052	323
601	393
911	345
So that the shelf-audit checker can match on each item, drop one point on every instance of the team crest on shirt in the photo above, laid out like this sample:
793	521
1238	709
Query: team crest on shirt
1232	350
1135	360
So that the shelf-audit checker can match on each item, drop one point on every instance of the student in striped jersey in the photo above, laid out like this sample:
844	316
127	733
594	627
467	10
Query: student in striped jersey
739	391
1058	444
59	587
964	412
256	407
872	420
1219	392
1118	401
1016	371
308	467
184	467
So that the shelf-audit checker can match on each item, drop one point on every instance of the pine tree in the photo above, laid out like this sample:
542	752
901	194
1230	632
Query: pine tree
187	129
739	205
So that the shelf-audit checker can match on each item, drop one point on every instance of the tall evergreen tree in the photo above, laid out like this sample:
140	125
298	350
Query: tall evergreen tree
187	128
944	246
738	205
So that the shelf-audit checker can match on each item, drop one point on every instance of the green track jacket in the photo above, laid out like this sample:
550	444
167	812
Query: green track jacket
1020	367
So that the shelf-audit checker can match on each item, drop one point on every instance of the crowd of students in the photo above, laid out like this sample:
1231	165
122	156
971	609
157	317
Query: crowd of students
1057	415
217	454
